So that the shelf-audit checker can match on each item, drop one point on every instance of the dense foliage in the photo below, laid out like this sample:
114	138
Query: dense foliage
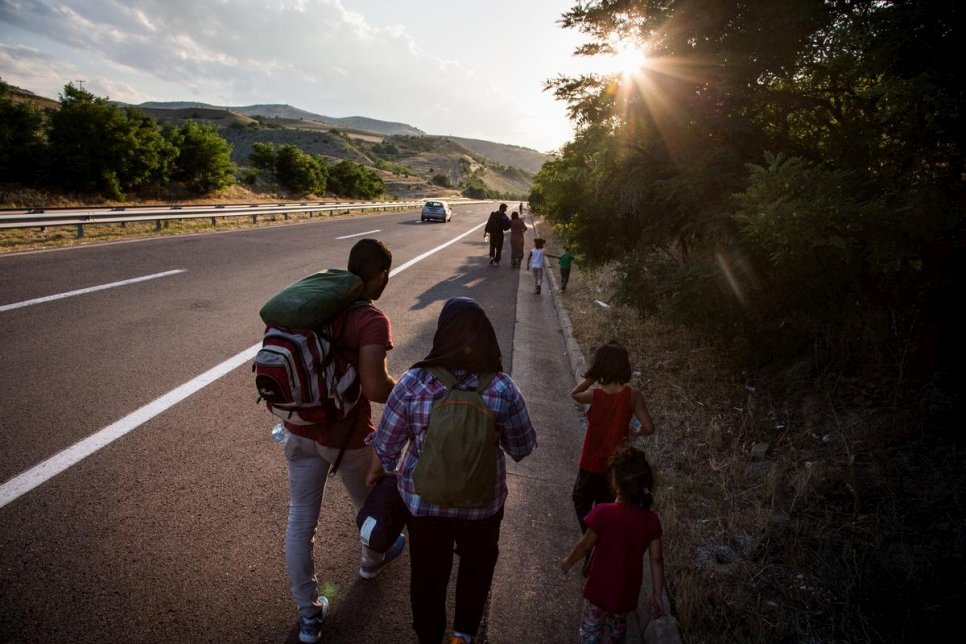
788	173
22	145
91	146
204	157
97	147
788	176
303	173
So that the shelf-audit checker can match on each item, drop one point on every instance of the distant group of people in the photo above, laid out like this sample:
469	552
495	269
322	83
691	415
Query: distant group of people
612	494
498	223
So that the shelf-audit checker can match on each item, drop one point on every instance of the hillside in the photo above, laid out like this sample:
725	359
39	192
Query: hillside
408	157
511	155
290	113
288	116
350	122
217	115
411	162
18	95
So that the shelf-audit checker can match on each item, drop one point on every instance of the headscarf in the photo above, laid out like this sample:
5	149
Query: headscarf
464	339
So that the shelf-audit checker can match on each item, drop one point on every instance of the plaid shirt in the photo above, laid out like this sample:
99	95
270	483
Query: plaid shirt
406	416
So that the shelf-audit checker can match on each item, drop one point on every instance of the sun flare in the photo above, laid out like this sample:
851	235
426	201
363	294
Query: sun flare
628	58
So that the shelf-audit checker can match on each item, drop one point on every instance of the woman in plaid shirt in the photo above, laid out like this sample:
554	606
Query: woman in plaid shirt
465	345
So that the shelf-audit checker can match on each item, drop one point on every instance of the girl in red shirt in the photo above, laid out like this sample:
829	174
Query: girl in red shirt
620	534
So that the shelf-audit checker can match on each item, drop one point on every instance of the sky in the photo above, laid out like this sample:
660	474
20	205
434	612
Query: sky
469	68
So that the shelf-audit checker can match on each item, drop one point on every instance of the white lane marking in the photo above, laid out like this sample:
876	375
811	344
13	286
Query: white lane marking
430	252
92	289
26	481
39	474
359	234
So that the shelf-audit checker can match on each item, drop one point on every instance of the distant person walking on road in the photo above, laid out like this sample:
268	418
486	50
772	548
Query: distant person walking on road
311	450
495	226
620	534
517	228
612	404
566	260
535	262
466	354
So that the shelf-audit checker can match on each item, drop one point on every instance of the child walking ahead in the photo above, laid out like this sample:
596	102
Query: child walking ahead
620	534
535	262
612	404
566	261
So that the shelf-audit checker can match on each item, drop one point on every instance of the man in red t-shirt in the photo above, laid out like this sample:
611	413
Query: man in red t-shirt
365	333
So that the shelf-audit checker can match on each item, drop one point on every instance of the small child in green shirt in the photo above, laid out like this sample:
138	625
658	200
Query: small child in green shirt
565	261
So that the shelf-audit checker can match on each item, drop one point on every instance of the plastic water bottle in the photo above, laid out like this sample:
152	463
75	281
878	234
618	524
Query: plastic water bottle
279	433
635	426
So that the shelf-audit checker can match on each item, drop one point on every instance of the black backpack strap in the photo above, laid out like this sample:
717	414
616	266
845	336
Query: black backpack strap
362	301
345	443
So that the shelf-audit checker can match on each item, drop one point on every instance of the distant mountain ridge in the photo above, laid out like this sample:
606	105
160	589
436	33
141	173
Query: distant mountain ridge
512	155
283	111
411	162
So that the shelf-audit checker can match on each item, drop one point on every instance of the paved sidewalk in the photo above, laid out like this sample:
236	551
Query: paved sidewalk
531	600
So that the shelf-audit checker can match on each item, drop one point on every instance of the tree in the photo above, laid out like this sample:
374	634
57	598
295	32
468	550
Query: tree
350	179
97	147
474	188
770	153
22	145
204	158
299	172
263	156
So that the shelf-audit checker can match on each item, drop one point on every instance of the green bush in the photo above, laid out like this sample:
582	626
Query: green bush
203	161
299	172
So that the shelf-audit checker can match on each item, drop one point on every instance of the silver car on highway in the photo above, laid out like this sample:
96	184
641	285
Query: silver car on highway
436	210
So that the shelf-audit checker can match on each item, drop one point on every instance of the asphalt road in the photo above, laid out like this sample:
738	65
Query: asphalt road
174	531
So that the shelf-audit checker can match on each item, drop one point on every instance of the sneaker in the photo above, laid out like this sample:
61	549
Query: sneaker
370	571
310	628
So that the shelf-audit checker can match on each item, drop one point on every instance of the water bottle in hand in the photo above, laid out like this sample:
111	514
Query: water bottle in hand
635	426
279	433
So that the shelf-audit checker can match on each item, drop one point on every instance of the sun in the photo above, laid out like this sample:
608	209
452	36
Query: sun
628	57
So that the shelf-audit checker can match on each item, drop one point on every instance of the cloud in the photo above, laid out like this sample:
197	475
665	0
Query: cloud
314	54
33	70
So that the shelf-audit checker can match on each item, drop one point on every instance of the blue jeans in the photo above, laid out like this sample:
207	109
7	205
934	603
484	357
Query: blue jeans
308	469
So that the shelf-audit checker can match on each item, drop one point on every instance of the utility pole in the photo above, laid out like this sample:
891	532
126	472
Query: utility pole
80	84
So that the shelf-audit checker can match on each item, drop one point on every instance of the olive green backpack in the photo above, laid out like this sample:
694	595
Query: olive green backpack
457	465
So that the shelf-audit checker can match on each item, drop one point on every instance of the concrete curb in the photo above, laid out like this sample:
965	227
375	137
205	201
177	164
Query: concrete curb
641	627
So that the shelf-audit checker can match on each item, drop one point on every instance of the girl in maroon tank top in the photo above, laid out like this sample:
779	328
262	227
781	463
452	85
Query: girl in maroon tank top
612	405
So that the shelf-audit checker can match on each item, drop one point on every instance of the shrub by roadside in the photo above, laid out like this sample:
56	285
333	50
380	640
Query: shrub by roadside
797	506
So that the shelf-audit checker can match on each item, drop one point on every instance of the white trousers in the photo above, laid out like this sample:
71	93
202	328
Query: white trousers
308	469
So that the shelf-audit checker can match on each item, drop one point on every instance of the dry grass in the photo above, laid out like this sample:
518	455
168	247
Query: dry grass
785	500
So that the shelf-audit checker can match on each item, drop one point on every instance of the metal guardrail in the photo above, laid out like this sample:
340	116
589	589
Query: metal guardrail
40	218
